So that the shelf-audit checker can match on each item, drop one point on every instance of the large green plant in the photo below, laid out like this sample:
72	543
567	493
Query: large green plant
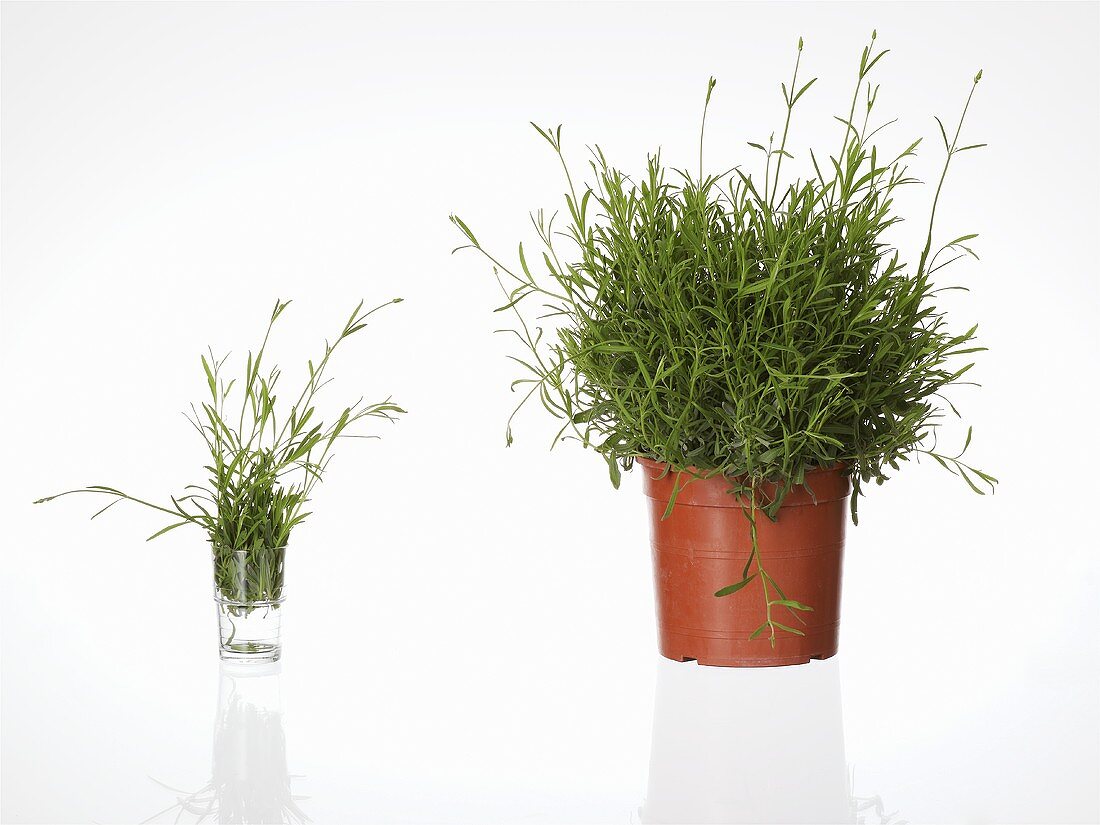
741	325
265	461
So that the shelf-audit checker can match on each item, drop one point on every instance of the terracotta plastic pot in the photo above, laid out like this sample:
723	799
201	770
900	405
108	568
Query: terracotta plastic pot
704	545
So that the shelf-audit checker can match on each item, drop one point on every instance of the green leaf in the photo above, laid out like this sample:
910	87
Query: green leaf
876	59
943	133
791	603
613	470
733	588
457	221
793	630
803	90
209	377
164	530
969	481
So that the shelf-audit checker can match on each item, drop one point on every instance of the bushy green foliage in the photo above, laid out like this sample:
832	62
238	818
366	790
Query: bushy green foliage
744	326
737	324
263	464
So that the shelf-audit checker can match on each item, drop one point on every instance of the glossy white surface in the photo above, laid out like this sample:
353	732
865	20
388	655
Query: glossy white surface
340	736
469	630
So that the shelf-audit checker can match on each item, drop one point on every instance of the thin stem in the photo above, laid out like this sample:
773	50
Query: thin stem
943	176
790	99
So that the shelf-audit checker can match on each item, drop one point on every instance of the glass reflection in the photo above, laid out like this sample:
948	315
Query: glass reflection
748	745
250	782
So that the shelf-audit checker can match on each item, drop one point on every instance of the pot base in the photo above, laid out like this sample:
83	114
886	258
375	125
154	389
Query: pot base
732	649
756	661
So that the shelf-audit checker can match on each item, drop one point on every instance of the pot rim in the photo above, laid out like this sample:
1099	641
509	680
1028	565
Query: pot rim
695	472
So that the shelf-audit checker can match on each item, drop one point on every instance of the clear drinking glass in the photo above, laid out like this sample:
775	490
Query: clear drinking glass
248	592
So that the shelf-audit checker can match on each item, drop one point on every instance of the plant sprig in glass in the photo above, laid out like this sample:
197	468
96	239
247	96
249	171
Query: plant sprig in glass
264	464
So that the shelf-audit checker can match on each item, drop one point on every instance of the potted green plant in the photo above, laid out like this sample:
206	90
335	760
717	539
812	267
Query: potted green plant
265	461
760	349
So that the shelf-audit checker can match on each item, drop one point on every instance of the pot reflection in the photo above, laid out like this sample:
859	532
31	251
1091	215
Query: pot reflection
748	745
250	782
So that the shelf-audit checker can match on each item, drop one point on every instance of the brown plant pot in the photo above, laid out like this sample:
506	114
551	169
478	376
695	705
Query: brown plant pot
704	545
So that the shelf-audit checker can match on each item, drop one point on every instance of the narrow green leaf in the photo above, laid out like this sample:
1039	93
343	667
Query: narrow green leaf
793	630
164	530
733	588
791	603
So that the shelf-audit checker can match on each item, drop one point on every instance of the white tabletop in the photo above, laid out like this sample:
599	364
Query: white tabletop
335	733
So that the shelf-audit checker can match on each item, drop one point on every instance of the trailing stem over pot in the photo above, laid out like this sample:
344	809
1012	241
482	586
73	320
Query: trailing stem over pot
265	461
738	324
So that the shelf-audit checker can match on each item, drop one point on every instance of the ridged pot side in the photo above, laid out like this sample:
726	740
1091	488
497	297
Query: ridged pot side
704	545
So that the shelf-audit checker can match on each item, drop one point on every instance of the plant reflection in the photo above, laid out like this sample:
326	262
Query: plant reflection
870	810
250	782
751	745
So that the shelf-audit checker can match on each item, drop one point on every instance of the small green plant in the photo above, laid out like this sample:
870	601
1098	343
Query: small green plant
740	325
264	464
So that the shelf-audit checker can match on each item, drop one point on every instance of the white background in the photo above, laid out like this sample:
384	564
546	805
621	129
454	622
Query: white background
469	631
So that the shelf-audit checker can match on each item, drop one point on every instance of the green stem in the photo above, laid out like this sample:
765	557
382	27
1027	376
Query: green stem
943	176
787	124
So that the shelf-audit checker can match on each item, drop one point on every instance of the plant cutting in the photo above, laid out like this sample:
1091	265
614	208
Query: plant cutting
264	462
759	347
